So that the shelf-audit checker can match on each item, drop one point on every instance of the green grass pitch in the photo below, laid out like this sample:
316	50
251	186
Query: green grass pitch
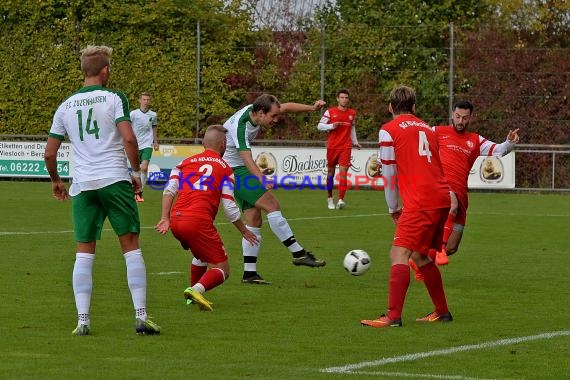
508	288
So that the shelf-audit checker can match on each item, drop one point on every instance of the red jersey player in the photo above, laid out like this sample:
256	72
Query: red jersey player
200	182
458	150
411	166
339	123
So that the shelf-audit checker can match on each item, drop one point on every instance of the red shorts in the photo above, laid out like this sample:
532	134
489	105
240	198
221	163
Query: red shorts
201	237
421	231
339	157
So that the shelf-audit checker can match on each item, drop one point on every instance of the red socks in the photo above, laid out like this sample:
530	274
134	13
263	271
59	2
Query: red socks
212	278
196	272
399	283
342	184
434	285
448	229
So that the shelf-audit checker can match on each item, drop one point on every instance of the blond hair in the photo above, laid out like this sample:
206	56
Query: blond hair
94	58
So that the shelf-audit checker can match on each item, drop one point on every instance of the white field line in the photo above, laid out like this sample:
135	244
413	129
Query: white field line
349	368
165	273
419	375
16	233
8	233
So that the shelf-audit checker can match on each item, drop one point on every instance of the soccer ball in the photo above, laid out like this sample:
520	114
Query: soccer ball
357	262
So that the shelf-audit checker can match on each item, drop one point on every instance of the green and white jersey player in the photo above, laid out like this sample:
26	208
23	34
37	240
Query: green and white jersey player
251	191
96	121
144	121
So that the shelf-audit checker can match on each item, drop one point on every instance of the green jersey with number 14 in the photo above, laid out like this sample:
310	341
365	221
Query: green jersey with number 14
89	118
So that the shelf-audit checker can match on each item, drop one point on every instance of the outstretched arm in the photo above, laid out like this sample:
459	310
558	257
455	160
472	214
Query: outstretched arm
298	107
489	148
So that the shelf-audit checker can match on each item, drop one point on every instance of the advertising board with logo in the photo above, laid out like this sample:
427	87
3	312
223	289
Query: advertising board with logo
284	165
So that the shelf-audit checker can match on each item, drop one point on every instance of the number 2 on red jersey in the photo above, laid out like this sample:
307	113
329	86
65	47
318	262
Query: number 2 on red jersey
206	171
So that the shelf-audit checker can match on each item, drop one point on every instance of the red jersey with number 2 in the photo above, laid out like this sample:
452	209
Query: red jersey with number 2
202	180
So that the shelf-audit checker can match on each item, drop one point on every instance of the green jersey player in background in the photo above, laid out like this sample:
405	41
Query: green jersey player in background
144	121
96	121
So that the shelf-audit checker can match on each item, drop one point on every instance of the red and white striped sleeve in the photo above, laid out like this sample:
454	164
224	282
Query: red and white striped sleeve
387	157
231	209
489	148
172	186
324	122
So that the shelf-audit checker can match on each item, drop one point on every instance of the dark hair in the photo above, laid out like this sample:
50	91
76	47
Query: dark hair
342	91
464	105
264	103
402	99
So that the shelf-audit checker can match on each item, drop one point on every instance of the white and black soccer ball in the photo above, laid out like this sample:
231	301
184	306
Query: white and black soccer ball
357	262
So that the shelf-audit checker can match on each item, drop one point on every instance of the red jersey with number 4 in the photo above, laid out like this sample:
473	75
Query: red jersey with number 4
458	152
339	138
411	165
202	180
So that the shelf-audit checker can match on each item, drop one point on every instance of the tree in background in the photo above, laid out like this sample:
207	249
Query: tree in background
155	50
516	71
373	45
369	46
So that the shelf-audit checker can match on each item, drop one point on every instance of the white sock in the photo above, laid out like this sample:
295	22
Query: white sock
136	278
198	262
144	177
251	252
281	229
199	288
83	285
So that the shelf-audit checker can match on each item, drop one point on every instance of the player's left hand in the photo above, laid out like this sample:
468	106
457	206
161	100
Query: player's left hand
163	226
357	146
59	191
513	136
319	104
156	146
137	184
454	204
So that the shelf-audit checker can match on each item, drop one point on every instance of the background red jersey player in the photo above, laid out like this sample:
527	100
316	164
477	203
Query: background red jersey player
199	183
339	122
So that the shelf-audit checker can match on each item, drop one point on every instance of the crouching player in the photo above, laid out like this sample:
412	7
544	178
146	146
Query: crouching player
198	184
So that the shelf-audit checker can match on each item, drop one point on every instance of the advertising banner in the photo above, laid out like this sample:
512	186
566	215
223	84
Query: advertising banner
26	159
493	173
308	166
287	166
